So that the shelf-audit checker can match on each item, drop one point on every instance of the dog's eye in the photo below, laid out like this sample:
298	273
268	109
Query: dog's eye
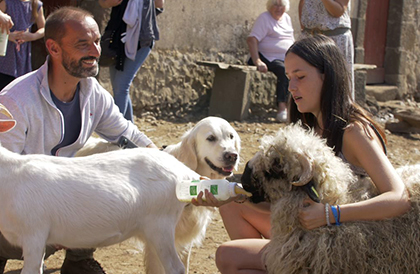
231	136
211	138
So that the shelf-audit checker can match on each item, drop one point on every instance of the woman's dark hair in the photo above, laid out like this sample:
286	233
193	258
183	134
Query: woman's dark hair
337	107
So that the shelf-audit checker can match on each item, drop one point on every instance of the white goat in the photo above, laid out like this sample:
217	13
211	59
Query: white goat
279	173
91	201
211	148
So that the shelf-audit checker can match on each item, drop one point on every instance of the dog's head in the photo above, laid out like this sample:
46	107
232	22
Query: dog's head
293	161
211	148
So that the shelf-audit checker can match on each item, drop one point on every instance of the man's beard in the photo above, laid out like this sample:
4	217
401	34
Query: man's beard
76	69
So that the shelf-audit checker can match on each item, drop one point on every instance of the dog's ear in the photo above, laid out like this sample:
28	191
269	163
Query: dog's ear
188	152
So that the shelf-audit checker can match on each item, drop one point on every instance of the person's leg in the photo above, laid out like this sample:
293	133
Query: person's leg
81	261
282	86
121	81
241	256
242	221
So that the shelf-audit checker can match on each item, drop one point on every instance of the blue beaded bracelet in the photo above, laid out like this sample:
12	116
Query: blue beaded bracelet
336	214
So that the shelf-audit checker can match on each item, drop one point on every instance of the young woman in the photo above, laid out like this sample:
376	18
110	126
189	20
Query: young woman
24	14
321	98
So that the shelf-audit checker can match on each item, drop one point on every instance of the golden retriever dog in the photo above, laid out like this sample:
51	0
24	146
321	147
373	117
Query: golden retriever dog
211	148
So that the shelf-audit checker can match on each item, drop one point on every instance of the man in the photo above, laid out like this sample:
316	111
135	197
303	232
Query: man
60	105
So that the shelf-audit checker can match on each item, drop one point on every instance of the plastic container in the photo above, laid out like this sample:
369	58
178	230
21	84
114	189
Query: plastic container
221	189
3	42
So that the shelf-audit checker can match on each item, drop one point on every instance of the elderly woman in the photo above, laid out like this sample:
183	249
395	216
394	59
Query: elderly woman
271	36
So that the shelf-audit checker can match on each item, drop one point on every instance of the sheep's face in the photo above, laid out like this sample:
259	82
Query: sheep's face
284	165
267	177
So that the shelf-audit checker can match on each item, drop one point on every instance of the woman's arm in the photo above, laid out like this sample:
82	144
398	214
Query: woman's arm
361	150
28	36
253	50
335	7
20	37
40	23
109	3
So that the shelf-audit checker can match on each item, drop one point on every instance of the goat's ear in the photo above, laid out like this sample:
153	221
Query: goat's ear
5	126
188	152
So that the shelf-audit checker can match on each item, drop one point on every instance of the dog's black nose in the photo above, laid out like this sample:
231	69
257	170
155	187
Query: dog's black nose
230	157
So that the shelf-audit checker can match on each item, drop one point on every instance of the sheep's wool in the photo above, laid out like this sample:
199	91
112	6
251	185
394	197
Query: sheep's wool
388	246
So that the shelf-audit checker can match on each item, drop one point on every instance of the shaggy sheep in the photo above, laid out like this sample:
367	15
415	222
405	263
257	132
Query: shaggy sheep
280	173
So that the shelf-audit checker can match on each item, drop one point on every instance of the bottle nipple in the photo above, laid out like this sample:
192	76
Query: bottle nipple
240	190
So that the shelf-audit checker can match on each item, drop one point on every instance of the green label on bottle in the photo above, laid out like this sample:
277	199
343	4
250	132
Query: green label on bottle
193	190
214	190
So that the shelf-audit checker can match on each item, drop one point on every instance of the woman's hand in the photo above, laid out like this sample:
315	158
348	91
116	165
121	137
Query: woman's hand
261	66
210	200
312	214
16	36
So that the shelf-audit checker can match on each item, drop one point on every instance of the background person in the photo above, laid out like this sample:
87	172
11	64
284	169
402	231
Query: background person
271	36
24	14
318	84
133	53
331	18
60	105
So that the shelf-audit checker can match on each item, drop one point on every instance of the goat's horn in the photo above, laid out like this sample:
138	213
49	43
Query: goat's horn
4	111
307	169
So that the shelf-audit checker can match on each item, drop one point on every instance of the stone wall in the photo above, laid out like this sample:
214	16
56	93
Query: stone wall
402	66
170	81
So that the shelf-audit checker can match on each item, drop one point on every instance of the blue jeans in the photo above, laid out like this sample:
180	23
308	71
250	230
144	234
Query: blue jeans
121	81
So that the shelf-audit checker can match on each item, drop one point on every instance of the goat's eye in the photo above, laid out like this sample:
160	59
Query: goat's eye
231	136
211	138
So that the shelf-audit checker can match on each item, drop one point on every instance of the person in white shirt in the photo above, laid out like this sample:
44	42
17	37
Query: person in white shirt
270	38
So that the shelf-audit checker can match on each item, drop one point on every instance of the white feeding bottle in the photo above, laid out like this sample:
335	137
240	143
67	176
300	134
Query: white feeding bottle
221	189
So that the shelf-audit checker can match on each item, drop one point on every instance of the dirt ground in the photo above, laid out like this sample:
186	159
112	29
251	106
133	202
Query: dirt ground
125	258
